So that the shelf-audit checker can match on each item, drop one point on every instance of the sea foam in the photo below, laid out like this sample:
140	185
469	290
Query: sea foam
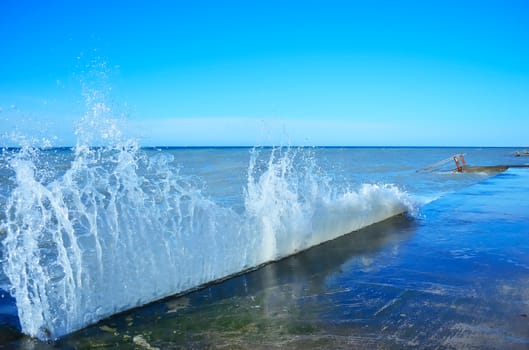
114	227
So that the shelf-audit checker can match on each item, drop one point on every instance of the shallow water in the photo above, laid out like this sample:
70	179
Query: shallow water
451	275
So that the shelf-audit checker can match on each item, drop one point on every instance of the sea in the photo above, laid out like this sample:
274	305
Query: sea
123	246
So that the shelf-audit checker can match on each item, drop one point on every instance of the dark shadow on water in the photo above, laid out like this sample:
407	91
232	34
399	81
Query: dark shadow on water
9	323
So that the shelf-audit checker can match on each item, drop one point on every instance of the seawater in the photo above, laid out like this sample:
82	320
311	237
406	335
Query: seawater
91	232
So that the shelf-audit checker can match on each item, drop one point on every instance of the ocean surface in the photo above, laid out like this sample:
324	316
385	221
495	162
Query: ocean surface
283	247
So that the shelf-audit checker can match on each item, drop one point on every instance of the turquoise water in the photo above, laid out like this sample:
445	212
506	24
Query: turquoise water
447	271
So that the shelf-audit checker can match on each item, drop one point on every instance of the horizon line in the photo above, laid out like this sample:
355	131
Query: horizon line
264	146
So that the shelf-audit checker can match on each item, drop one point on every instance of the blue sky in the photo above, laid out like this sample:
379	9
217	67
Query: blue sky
441	73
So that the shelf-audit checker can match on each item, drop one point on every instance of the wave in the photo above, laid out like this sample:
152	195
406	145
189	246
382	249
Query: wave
107	229
119	229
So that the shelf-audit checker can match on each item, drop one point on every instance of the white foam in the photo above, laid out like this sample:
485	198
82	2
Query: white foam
117	229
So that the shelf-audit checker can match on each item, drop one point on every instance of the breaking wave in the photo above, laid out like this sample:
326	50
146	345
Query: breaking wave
101	230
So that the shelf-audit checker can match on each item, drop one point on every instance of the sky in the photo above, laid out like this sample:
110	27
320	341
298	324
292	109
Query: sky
232	73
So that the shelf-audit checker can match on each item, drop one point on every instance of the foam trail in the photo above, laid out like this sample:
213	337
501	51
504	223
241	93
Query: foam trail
119	229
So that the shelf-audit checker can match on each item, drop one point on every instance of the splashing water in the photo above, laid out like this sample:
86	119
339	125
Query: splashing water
118	228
